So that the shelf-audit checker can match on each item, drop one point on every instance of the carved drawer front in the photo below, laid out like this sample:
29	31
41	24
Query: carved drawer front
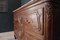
33	28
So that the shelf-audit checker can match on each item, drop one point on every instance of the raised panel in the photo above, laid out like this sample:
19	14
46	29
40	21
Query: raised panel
36	21
32	24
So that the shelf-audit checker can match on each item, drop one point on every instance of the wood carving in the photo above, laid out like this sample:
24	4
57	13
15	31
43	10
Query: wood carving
40	20
33	21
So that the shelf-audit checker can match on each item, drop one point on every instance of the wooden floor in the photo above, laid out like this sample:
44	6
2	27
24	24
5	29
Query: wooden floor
7	36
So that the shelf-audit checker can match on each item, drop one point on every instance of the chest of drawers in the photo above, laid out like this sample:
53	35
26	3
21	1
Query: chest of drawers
34	21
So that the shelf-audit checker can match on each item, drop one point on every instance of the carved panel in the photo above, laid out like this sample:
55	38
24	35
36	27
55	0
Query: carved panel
32	25
35	21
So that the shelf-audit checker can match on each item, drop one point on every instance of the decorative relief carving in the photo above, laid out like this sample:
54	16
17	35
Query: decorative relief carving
32	23
40	20
37	21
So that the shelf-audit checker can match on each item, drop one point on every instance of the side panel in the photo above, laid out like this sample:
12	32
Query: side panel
33	23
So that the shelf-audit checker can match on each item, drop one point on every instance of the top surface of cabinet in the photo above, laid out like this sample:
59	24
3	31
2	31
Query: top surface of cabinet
30	4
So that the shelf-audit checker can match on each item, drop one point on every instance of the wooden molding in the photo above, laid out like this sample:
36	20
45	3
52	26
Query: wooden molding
30	3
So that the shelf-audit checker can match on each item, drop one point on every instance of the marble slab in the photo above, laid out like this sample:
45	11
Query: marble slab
7	36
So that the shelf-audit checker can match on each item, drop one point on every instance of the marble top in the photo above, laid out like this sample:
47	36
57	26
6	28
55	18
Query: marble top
7	36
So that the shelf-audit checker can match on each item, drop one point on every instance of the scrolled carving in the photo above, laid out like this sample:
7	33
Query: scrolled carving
40	20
